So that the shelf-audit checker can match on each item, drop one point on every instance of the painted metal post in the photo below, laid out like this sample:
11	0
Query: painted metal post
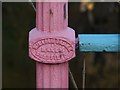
52	44
99	42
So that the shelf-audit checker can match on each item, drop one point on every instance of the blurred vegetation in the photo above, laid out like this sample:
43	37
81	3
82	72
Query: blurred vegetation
102	69
18	69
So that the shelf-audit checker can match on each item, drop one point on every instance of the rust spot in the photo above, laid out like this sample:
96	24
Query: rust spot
89	43
51	12
82	44
104	50
65	11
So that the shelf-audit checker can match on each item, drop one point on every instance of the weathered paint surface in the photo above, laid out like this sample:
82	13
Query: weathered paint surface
52	45
99	42
52	41
52	76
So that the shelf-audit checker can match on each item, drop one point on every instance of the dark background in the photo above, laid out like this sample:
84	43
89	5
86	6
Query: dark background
102	69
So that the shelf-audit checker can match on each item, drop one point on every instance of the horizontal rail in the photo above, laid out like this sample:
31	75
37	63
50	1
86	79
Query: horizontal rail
99	42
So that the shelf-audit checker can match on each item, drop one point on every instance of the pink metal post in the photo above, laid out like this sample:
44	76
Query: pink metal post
52	45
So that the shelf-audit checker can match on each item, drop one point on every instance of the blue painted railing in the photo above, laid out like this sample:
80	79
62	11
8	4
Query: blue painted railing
99	42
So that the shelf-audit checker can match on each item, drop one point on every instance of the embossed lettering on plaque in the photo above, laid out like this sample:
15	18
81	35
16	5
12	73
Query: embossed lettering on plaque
51	50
